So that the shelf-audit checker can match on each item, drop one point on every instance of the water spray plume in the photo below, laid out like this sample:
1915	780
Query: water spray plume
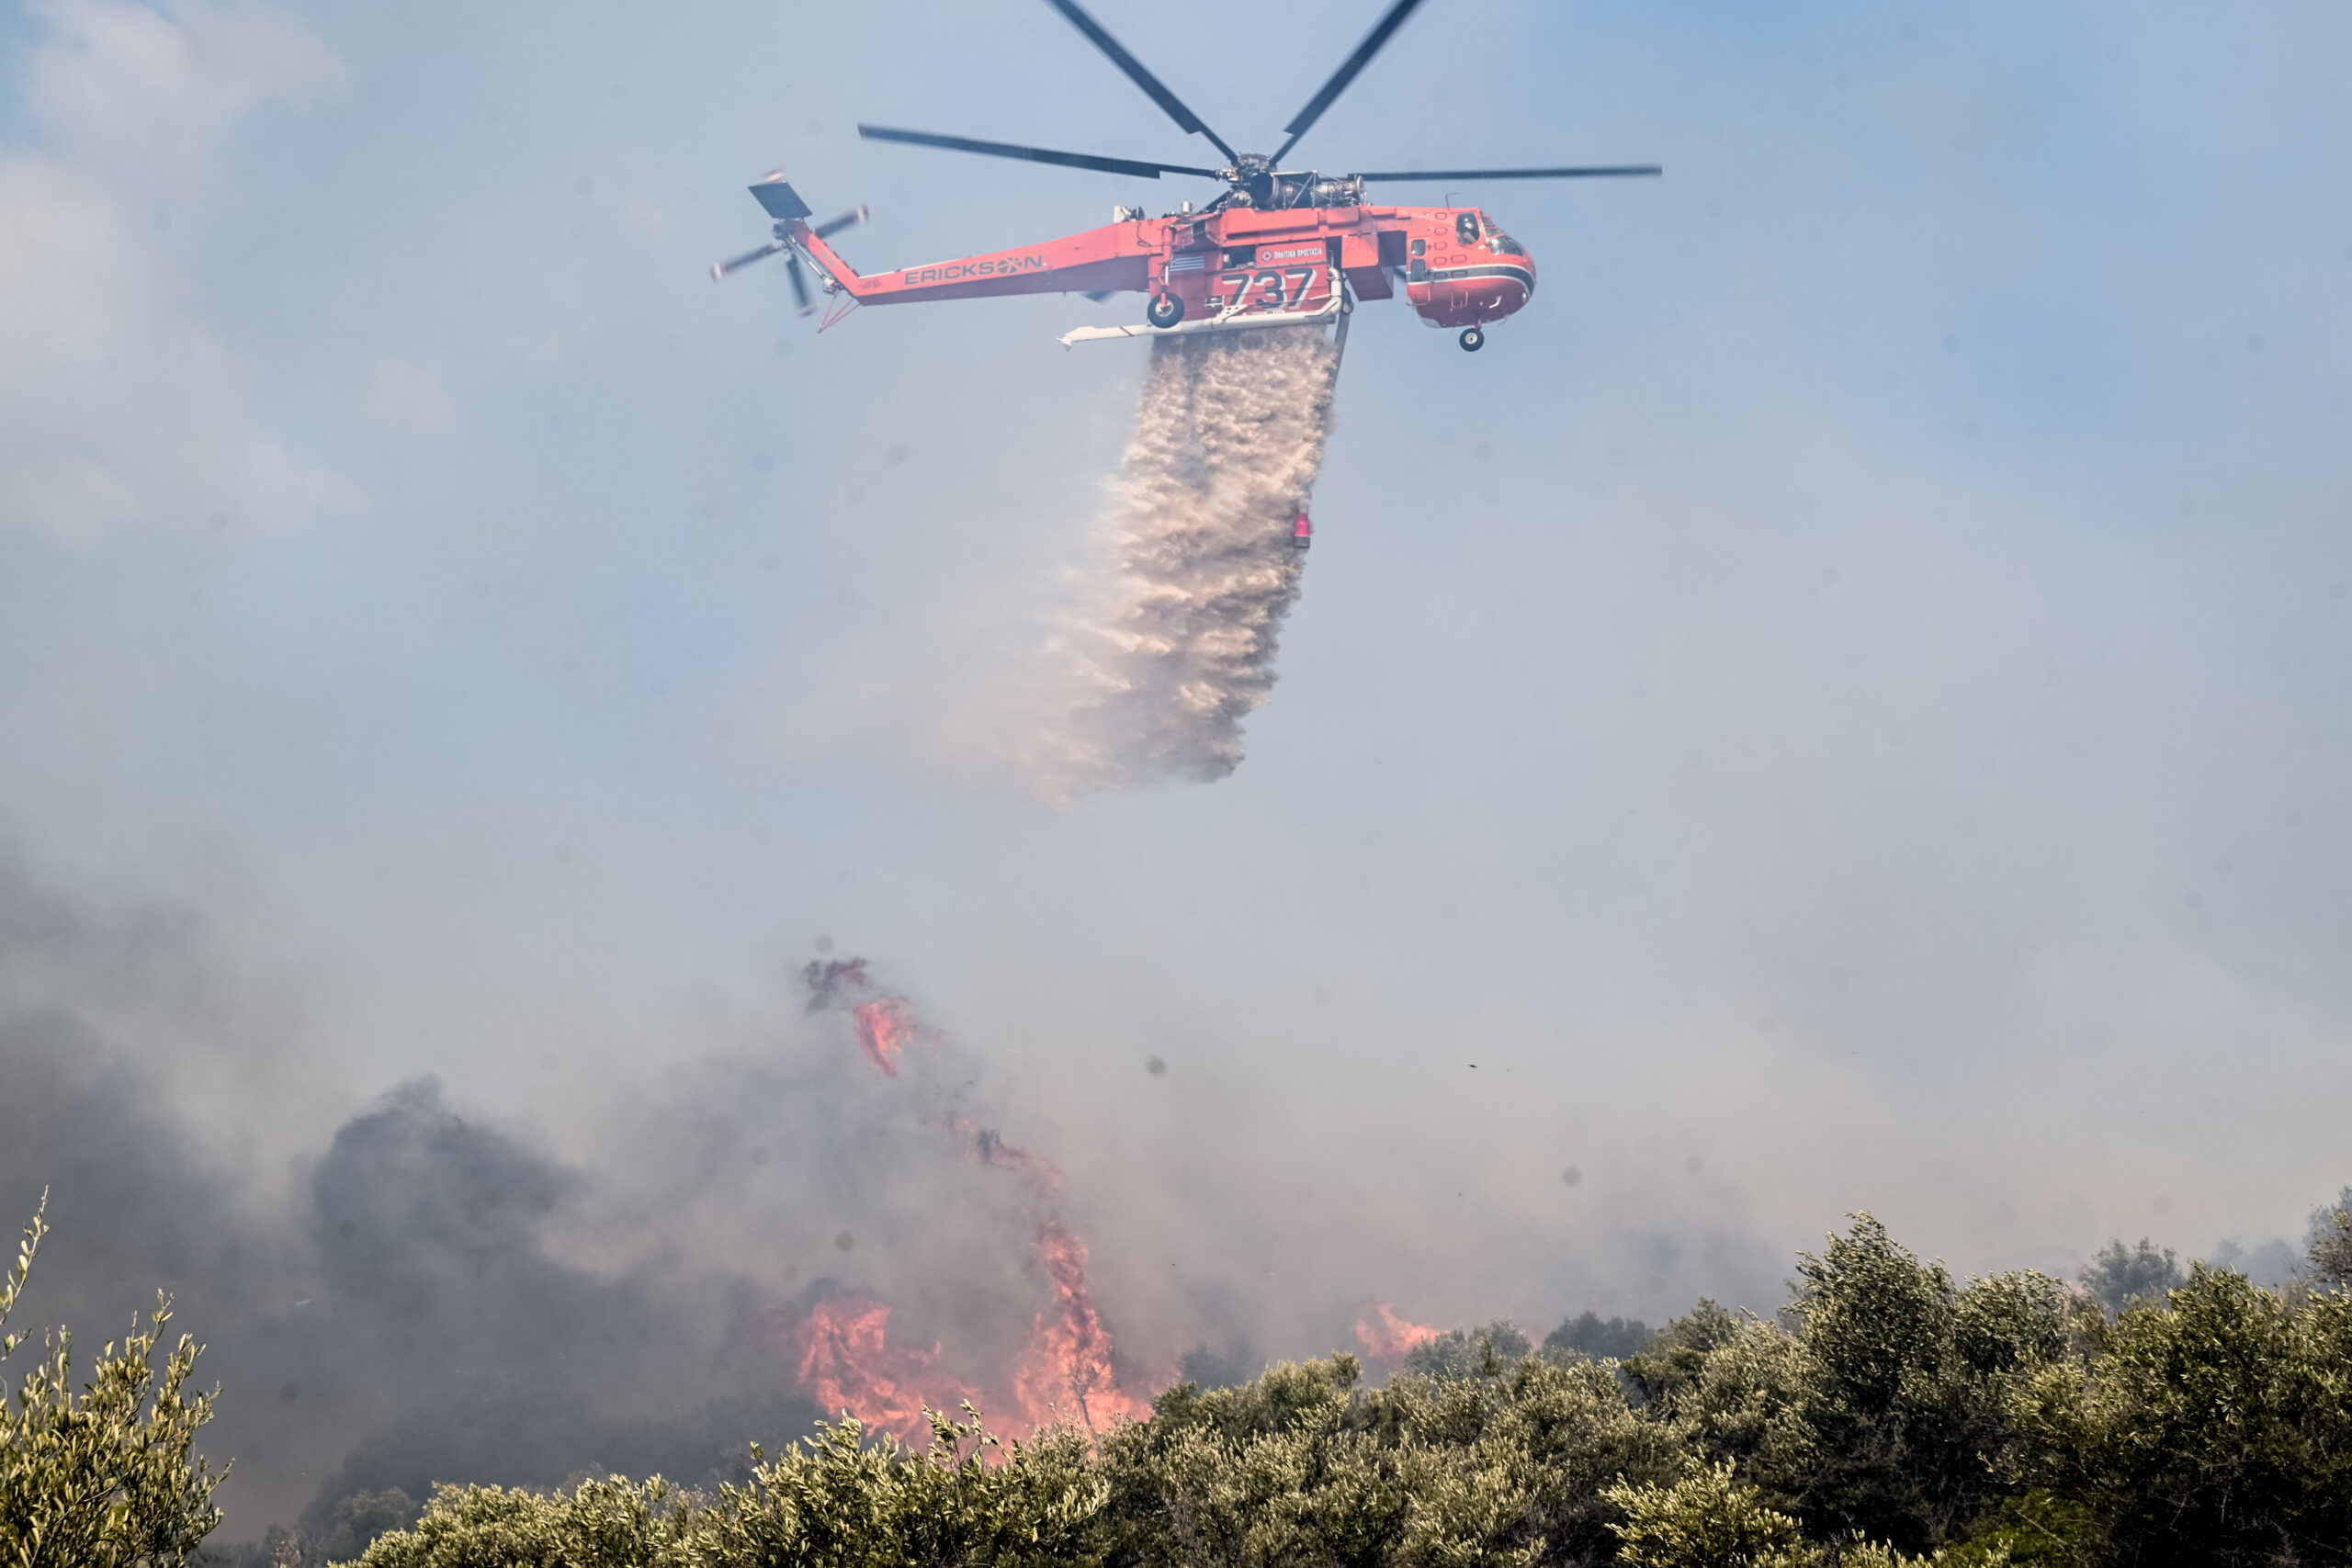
1178	645
1386	1337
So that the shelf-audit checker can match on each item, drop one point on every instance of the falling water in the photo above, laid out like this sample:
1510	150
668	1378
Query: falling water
1175	645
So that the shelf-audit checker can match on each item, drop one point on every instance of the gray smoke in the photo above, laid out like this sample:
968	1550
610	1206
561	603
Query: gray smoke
1176	646
406	1292
398	1288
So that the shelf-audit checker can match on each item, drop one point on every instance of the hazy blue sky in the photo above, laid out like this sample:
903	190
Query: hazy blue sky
1843	704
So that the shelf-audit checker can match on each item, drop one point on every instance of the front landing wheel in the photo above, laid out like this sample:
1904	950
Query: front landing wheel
1165	311
1472	340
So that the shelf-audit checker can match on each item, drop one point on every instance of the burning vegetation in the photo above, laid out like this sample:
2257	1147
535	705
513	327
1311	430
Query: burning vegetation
1888	1417
1066	1374
848	1365
1387	1337
1887	1408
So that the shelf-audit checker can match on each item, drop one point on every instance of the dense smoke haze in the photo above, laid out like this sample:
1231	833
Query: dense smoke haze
425	1295
1840	705
826	1209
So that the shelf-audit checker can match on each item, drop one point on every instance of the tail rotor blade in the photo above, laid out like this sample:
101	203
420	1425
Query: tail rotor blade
799	284
747	258
849	220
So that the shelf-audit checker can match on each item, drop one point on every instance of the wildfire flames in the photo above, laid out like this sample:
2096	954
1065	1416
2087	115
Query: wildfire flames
1065	1372
1067	1367
847	1364
1385	1336
884	1027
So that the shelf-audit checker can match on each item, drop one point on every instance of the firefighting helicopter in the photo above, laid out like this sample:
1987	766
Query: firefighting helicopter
1280	247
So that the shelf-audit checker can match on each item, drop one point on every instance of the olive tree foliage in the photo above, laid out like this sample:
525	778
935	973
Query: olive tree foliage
1872	1411
1707	1519
1703	1520
1503	1467
2215	1427
1588	1334
2330	1256
107	1478
1888	1409
837	1502
2117	1276
1469	1352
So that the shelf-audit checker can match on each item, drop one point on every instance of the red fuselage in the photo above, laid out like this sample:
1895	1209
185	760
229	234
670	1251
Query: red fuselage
1456	266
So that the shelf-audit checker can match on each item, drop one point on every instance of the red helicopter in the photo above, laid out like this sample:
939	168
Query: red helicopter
1280	247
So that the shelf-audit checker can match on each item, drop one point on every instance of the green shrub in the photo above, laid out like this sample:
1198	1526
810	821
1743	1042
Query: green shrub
835	1502
108	1478
1890	1409
2214	1427
1703	1520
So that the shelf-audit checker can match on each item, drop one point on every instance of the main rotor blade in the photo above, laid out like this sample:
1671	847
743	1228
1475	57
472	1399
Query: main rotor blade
1150	84
1346	74
1031	154
799	283
1593	172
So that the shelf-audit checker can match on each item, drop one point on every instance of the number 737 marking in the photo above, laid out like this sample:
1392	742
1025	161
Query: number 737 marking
1240	286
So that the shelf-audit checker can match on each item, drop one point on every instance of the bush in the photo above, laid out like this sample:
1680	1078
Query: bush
1890	1409
2330	1253
1704	1520
834	1503
107	1479
1304	1467
1588	1334
2214	1428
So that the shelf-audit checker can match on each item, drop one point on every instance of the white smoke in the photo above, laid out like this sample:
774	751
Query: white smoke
1173	644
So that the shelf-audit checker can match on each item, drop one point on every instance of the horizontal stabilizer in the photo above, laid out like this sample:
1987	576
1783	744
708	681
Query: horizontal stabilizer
783	202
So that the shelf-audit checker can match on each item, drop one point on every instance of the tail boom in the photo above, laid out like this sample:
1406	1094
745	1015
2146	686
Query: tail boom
1114	259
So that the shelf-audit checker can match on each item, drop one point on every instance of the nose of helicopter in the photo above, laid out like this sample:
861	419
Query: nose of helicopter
1468	285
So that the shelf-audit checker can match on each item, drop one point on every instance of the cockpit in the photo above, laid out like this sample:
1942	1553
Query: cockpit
1498	242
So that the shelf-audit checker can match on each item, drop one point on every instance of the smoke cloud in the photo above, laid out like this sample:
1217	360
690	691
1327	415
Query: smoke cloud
424	1294
831	1202
1176	646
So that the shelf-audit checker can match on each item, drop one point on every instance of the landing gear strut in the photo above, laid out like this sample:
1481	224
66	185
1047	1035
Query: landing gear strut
1472	340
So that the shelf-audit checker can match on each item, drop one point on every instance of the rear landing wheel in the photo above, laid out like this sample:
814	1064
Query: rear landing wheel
1165	311
1473	339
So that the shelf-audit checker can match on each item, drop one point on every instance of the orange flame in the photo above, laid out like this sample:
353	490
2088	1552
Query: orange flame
1388	1339
884	1027
1065	1371
845	1361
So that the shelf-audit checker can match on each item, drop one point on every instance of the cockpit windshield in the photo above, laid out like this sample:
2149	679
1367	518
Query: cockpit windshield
1498	242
